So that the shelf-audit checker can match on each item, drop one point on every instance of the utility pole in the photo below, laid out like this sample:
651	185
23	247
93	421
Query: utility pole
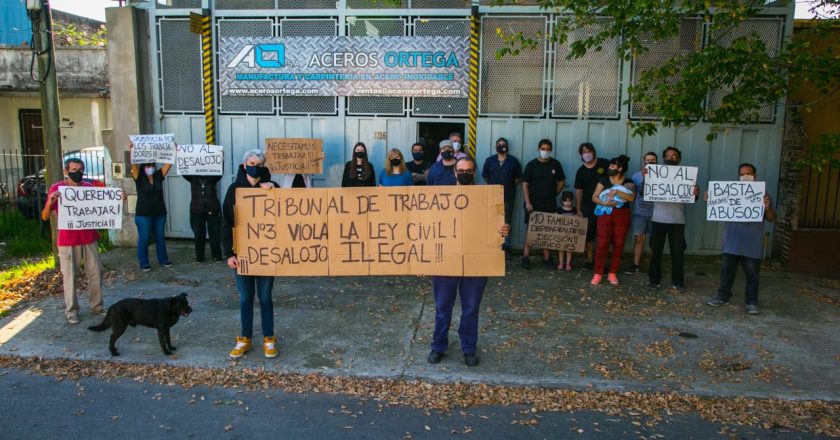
41	17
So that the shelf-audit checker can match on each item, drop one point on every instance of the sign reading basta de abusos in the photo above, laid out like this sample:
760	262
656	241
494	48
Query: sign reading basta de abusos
344	66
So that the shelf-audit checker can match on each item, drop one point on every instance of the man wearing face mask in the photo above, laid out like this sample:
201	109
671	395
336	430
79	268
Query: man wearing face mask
743	244
441	172
150	212
586	179
503	169
454	140
75	246
668	220
642	211
542	180
447	288
419	165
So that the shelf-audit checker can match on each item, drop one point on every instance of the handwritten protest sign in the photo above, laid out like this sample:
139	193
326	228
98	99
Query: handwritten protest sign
148	148
557	232
86	207
205	160
735	202
294	155
448	230
669	183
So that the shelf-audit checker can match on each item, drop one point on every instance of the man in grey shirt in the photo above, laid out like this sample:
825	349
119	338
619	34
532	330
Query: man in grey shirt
668	220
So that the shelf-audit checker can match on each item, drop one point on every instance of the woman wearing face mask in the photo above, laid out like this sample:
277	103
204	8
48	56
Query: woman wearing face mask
252	174
150	211
612	197
358	171
395	172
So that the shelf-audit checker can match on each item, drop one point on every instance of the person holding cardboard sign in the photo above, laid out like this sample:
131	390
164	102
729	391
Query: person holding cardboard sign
743	243
614	193
150	213
75	246
252	174
358	171
668	220
446	288
542	180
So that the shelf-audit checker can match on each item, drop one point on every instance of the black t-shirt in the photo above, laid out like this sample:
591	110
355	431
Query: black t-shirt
607	184
150	195
418	168
298	182
587	179
542	178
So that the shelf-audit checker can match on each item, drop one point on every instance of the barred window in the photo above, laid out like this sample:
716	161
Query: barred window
180	64
246	28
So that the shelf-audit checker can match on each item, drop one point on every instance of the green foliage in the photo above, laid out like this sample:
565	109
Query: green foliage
69	35
23	237
739	71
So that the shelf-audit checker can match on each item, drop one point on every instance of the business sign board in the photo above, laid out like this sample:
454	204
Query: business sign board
344	66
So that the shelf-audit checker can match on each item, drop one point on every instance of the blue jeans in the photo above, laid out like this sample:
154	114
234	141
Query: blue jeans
751	266
248	285
146	226
445	290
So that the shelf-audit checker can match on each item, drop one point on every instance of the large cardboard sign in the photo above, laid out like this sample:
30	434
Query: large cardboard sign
440	230
557	232
735	202
199	160
669	183
344	66
294	155
150	148
88	207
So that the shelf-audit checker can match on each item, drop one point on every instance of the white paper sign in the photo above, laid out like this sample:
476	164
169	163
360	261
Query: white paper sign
151	148
735	202
205	160
669	183
87	207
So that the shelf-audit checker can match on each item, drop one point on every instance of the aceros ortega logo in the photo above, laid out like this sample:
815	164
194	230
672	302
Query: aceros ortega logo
262	55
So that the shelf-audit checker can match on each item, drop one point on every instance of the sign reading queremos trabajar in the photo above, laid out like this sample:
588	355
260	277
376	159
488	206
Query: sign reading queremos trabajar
344	66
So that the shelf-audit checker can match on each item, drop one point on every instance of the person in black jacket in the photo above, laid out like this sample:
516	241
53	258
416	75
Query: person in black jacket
205	215
252	174
358	171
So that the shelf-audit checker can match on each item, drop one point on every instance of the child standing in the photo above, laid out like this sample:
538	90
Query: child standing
566	208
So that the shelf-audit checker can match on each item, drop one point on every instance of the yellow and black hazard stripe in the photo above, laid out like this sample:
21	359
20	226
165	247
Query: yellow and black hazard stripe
207	68
473	96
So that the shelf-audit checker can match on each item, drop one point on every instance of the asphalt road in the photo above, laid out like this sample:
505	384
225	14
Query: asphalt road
35	406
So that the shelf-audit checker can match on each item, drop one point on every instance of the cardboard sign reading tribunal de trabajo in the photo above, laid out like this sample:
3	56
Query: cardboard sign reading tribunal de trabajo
443	230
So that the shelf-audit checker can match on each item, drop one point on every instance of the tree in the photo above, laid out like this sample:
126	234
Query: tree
727	79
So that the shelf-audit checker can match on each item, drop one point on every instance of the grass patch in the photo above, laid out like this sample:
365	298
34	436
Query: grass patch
24	237
29	278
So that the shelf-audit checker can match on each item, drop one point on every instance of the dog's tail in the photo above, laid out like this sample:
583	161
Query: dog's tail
104	325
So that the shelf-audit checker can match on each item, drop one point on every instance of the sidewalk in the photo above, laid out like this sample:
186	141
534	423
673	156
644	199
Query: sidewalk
538	327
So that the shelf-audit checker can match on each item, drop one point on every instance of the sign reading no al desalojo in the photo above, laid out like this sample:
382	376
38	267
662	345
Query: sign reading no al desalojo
344	66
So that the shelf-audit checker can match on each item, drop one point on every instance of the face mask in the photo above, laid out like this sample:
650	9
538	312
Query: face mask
456	146
395	162
672	162
544	154
747	178
149	170
418	156
446	155
612	172
252	170
76	176
567	204
464	179
587	157
359	154
501	149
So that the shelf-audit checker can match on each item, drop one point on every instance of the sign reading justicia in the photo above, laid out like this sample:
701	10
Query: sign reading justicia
344	66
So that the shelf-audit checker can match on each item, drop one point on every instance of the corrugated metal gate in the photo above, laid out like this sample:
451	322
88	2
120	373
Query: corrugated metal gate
535	95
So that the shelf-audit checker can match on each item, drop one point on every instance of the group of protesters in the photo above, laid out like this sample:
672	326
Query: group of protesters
612	204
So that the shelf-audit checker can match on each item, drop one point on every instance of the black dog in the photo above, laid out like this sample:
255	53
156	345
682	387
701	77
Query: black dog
159	313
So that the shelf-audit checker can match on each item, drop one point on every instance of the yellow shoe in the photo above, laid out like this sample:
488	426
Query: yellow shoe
270	346
242	347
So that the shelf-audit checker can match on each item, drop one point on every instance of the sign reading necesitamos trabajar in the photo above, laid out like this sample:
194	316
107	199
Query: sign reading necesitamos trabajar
86	207
344	66
735	202
398	230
